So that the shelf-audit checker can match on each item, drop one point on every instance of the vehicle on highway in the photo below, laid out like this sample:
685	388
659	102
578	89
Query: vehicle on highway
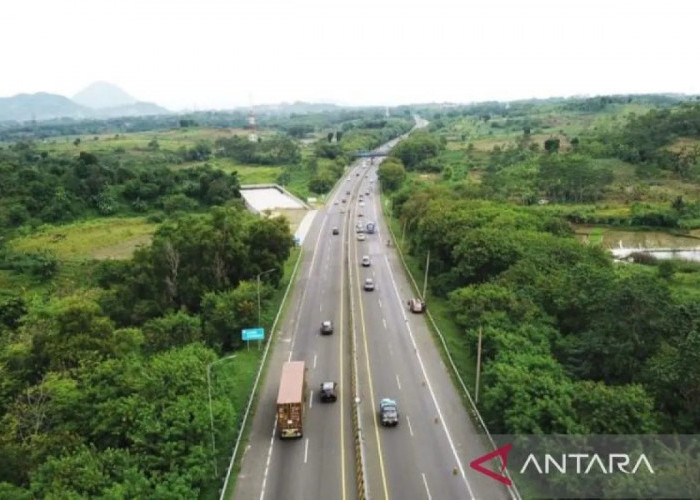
361	237
327	327
290	400
369	284
347	192
343	200
388	412
367	193
359	227
365	261
360	214
371	226
416	305
362	203
328	392
336	230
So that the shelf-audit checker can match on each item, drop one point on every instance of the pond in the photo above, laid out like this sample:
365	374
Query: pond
660	244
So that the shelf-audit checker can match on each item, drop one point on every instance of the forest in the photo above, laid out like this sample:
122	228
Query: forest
104	354
573	341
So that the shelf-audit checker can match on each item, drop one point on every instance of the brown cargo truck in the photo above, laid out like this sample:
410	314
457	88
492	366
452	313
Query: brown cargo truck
290	400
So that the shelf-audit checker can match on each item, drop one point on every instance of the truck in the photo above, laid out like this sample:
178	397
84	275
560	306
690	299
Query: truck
370	227
290	400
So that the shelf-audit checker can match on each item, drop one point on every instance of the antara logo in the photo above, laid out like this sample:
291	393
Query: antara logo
579	463
500	452
585	463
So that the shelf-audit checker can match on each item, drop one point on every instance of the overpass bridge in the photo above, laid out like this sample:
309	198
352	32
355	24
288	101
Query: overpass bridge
367	154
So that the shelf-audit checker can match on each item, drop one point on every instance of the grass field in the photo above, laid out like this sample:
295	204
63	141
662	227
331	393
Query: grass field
114	238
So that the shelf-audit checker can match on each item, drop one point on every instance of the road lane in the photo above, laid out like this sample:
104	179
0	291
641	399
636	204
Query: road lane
430	455
321	464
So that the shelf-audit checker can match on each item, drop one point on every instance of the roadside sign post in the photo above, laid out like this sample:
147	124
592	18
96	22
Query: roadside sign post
249	334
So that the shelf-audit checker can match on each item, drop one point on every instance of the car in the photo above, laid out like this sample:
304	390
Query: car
388	412
335	203
360	236
343	200
416	305
365	261
327	327
360	214
347	192
369	284
336	230
328	392
362	203
367	193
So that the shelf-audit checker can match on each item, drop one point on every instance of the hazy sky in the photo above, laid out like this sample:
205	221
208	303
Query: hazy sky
215	53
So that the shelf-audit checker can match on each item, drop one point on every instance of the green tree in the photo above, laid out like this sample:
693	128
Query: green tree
391	174
173	330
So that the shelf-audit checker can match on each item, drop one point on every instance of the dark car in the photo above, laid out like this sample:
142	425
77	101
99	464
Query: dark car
327	327
388	412
328	392
336	231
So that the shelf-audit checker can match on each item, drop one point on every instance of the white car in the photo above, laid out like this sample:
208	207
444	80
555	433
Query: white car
361	237
369	285
365	261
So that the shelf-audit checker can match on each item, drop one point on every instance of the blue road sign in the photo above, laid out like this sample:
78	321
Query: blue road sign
253	333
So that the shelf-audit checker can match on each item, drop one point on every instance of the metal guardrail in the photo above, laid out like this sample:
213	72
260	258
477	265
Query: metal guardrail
253	393
515	495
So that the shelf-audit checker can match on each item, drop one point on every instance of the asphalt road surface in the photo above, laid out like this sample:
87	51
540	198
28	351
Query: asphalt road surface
427	454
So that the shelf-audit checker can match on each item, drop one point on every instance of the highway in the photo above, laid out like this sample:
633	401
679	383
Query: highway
427	454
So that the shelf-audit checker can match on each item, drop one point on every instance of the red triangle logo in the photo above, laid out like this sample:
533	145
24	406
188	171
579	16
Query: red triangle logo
500	452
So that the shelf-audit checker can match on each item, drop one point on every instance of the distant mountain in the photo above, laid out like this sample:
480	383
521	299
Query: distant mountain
40	106
135	109
99	100
101	95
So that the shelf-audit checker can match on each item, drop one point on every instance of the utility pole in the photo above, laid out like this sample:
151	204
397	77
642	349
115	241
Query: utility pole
478	369
425	281
211	413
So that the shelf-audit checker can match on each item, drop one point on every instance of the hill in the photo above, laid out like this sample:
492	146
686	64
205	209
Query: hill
99	95
40	106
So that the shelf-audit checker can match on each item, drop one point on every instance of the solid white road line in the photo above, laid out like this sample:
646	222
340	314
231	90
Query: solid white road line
428	384
425	483
314	361
410	429
397	382
306	452
380	303
384	321
311	400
